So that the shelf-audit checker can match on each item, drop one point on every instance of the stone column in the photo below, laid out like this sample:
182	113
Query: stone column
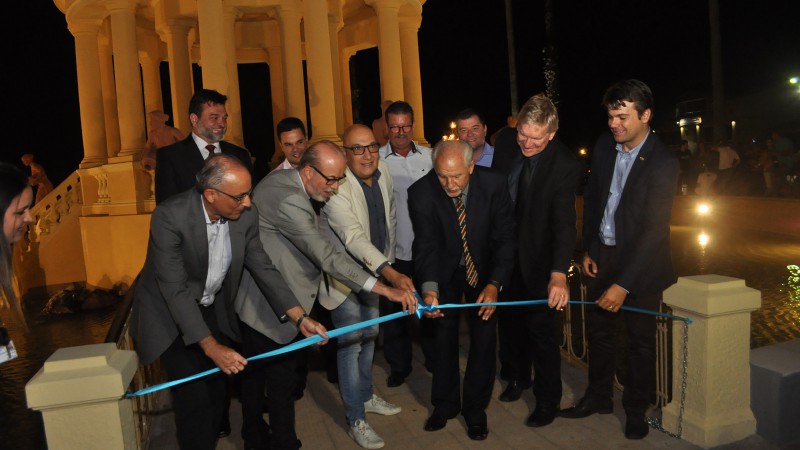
213	54
412	84
347	94
389	54
319	61
335	24
289	16
717	403
109	91
127	76
180	71
235	134
79	392
151	77
90	94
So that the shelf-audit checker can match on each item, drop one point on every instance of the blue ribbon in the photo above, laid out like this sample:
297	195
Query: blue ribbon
421	309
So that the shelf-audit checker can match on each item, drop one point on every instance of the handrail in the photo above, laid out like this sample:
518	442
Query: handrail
119	326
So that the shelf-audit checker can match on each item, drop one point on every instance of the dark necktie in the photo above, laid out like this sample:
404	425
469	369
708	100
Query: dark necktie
211	149
524	185
472	274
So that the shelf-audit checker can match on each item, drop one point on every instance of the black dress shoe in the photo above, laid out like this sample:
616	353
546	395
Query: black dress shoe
395	380
477	432
224	426
435	422
512	393
588	406
544	414
636	427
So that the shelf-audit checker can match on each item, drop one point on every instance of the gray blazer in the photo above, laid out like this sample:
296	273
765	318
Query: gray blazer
289	233
174	275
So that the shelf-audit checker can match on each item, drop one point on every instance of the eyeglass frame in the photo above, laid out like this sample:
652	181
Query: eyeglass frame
399	128
330	181
237	198
359	150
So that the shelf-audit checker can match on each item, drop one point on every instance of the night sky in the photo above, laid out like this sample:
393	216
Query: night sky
464	63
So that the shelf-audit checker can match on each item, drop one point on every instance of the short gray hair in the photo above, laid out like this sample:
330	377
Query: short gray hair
214	170
465	148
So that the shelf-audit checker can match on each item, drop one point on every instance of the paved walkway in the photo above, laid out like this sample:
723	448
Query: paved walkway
321	423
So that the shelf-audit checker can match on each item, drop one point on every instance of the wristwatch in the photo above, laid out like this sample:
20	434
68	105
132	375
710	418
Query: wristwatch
497	285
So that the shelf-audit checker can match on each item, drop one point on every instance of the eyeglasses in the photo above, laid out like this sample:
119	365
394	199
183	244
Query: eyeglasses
330	181
237	198
403	128
360	149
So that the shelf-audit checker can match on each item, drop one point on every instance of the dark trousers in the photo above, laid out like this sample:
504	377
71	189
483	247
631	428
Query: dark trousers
198	404
533	343
396	334
641	340
278	374
480	372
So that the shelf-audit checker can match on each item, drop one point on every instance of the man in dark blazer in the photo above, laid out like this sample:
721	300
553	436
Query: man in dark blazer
463	245
200	242
542	186
177	164
626	214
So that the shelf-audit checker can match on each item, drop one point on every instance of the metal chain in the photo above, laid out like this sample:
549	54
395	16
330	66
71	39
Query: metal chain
656	422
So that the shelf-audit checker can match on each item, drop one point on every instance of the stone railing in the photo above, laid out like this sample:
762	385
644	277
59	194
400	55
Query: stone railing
59	205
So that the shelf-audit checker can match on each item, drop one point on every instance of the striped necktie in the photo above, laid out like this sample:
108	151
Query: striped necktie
472	274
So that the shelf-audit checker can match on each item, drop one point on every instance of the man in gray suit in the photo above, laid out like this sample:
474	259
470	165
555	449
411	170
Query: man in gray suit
289	231
200	242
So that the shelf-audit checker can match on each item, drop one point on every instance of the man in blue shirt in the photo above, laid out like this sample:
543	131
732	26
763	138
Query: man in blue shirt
471	128
626	214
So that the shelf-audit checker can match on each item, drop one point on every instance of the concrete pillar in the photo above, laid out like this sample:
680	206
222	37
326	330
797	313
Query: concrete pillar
79	392
90	94
389	54
335	24
412	84
180	71
109	91
319	62
213	54
347	93
717	406
289	16
235	134
151	78
127	75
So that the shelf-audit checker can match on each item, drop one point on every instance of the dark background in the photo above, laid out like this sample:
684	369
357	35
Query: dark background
464	62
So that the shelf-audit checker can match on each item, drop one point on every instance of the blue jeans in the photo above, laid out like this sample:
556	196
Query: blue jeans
354	356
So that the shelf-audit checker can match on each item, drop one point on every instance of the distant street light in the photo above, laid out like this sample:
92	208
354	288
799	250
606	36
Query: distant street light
793	80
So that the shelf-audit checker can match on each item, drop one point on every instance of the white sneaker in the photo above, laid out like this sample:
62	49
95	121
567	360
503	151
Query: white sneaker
380	406
364	435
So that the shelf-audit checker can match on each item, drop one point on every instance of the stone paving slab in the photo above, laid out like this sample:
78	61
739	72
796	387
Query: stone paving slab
321	423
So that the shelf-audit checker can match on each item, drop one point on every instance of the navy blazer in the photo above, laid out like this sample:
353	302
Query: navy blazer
642	217
178	164
437	244
547	225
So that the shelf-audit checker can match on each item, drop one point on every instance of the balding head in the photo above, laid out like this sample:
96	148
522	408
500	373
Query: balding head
361	149
322	169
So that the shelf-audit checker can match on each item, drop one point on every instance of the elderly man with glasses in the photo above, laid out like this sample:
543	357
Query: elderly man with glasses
289	232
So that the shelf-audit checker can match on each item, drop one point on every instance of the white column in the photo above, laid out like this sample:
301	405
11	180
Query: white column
334	25
90	94
127	76
180	71
717	402
389	54
289	19
320	70
109	91
347	94
234	105
412	84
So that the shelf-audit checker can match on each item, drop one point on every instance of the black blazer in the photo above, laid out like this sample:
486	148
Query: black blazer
506	151
546	228
174	277
177	165
642	217
437	244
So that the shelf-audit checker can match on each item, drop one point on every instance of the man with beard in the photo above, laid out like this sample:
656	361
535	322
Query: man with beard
177	164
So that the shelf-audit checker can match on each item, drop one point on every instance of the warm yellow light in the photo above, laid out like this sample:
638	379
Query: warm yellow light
582	152
703	208
452	125
703	239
